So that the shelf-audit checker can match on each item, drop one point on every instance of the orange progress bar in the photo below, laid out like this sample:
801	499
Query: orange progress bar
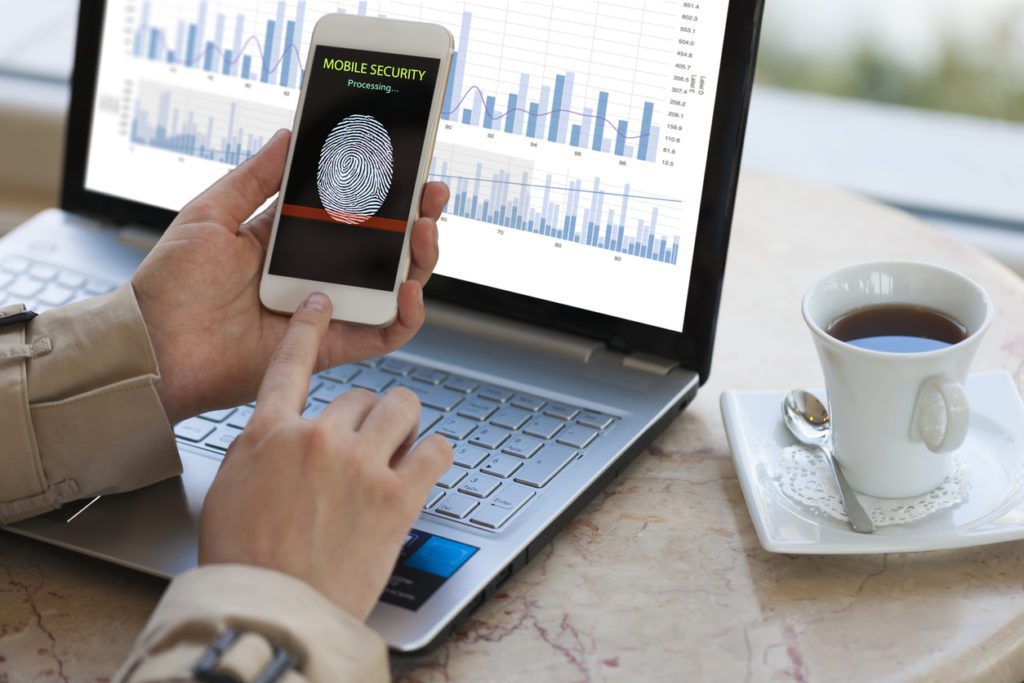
390	224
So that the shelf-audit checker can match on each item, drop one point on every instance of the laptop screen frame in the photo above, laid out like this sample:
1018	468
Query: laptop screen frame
691	347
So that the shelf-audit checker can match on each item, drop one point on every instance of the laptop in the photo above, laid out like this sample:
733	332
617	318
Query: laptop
592	151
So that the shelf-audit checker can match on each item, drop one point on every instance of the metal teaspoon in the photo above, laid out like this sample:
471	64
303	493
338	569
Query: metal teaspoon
807	420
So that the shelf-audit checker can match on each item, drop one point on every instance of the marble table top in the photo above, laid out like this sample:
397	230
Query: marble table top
662	577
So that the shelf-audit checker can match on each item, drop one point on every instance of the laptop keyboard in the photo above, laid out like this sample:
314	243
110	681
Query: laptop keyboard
41	286
509	446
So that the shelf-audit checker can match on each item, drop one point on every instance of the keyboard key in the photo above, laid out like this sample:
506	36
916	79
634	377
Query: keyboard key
218	415
341	373
545	465
589	418
193	429
577	436
543	427
428	376
222	438
501	466
531	403
15	264
24	287
70	280
561	411
394	366
42	272
477	410
489	437
495	394
434	397
240	418
452	476
510	418
461	385
373	381
480	486
328	391
512	497
55	295
95	287
456	505
469	456
427	419
522	446
371	362
436	494
457	428
509	500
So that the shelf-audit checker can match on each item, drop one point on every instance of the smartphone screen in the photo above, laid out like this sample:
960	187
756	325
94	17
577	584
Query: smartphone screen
348	198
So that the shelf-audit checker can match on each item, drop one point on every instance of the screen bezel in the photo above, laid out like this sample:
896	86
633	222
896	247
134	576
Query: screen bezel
692	347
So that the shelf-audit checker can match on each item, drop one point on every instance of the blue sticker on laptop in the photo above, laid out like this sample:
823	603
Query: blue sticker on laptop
426	561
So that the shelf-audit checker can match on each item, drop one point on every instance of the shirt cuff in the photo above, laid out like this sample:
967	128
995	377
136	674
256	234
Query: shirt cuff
329	645
90	418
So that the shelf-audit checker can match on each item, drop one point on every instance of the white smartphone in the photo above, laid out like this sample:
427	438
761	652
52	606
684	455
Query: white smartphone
360	150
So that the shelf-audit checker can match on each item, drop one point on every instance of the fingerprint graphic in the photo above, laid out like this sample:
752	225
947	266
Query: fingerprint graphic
353	176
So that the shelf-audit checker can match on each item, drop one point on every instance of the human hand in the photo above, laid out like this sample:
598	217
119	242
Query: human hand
198	290
327	500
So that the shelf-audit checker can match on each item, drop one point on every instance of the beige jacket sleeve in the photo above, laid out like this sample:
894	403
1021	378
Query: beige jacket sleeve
329	645
79	410
80	416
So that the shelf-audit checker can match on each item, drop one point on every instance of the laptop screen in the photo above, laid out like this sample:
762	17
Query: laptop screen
574	136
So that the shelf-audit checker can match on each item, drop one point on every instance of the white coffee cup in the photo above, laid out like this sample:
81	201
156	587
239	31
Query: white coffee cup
896	417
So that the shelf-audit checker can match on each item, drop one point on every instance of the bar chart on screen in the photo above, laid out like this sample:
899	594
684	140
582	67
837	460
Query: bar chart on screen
202	125
573	131
561	108
512	193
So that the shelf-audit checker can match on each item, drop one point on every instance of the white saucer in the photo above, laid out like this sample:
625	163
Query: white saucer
993	511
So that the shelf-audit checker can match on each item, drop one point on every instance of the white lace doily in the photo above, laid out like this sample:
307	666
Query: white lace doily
804	477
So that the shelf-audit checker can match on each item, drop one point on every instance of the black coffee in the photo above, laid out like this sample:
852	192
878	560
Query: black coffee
897	328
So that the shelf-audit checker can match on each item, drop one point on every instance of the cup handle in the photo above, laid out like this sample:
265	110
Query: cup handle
941	415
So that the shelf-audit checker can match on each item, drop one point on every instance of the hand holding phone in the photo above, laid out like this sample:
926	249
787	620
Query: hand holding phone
364	132
198	291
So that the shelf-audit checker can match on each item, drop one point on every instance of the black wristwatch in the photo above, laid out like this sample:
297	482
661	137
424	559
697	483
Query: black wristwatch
210	669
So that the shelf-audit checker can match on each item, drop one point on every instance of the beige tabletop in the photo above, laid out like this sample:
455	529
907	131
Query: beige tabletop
662	577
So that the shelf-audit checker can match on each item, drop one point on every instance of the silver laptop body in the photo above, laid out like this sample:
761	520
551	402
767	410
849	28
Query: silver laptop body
542	412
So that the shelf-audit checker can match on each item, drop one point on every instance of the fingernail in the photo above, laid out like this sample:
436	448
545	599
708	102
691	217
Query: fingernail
318	301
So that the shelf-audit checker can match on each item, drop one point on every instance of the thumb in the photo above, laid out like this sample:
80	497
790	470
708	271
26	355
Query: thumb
234	197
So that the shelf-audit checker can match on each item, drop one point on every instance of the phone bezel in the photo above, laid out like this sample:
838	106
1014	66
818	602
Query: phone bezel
692	346
390	36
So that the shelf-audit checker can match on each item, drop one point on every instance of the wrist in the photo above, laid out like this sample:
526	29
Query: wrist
175	407
174	404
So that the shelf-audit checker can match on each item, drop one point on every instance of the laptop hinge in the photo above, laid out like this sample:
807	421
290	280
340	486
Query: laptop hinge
646	362
474	322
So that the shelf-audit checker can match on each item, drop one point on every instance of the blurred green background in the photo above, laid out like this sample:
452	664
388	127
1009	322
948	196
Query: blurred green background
962	56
